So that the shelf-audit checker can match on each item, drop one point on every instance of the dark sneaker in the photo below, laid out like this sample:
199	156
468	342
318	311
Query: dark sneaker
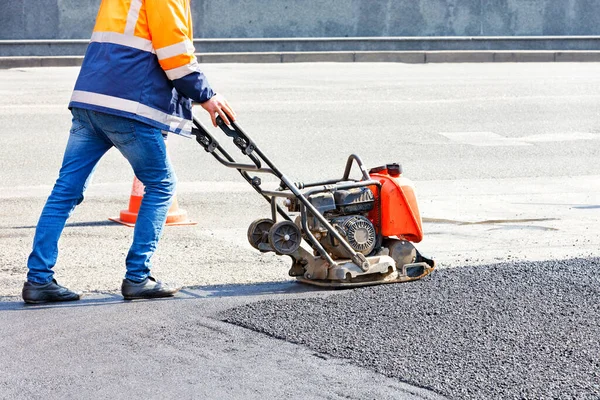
147	289
34	293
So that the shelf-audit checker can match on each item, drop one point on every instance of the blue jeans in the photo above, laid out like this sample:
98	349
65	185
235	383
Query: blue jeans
92	135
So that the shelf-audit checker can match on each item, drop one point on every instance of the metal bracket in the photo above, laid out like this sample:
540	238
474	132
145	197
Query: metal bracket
360	260
243	143
209	143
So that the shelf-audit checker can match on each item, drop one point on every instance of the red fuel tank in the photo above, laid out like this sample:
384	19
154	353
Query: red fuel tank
399	210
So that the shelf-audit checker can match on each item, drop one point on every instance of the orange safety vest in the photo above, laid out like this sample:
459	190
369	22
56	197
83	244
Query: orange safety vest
140	64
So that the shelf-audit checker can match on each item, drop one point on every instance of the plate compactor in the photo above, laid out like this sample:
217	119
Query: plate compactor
339	232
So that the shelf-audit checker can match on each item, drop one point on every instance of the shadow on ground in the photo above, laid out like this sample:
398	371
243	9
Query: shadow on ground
15	303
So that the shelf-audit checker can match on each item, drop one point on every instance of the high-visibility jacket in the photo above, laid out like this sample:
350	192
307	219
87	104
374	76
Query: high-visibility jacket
140	64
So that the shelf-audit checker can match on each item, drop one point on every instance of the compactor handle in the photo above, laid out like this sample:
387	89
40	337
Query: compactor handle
361	166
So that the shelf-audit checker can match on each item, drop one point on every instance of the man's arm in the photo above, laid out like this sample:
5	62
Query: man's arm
171	29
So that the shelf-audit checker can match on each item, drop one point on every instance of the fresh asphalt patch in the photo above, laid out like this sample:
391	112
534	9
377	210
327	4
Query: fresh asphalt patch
526	330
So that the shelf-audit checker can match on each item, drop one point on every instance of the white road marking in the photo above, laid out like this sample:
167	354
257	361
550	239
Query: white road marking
483	139
560	137
486	139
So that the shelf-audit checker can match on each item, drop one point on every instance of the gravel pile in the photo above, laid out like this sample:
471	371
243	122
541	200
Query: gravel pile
528	330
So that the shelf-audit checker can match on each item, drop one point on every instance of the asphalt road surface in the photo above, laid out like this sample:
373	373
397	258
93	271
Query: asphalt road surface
505	161
507	331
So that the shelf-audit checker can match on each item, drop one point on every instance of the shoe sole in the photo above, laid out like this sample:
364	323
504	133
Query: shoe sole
49	301
158	296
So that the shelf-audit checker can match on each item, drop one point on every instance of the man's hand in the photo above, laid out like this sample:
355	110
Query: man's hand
217	105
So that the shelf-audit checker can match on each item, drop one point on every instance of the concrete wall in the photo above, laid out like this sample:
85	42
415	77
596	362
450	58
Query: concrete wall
73	19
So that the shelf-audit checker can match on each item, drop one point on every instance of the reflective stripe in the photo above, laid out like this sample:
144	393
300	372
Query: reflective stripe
124	40
132	16
175	124
185	47
177	61
182	71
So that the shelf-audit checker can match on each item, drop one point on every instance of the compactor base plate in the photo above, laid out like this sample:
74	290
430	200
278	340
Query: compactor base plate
374	279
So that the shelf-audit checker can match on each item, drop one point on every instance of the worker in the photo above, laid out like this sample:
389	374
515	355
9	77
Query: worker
138	81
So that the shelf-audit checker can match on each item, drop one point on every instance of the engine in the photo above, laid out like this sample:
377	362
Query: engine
346	211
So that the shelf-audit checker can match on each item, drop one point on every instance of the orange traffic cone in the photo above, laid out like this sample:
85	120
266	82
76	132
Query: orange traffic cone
175	216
